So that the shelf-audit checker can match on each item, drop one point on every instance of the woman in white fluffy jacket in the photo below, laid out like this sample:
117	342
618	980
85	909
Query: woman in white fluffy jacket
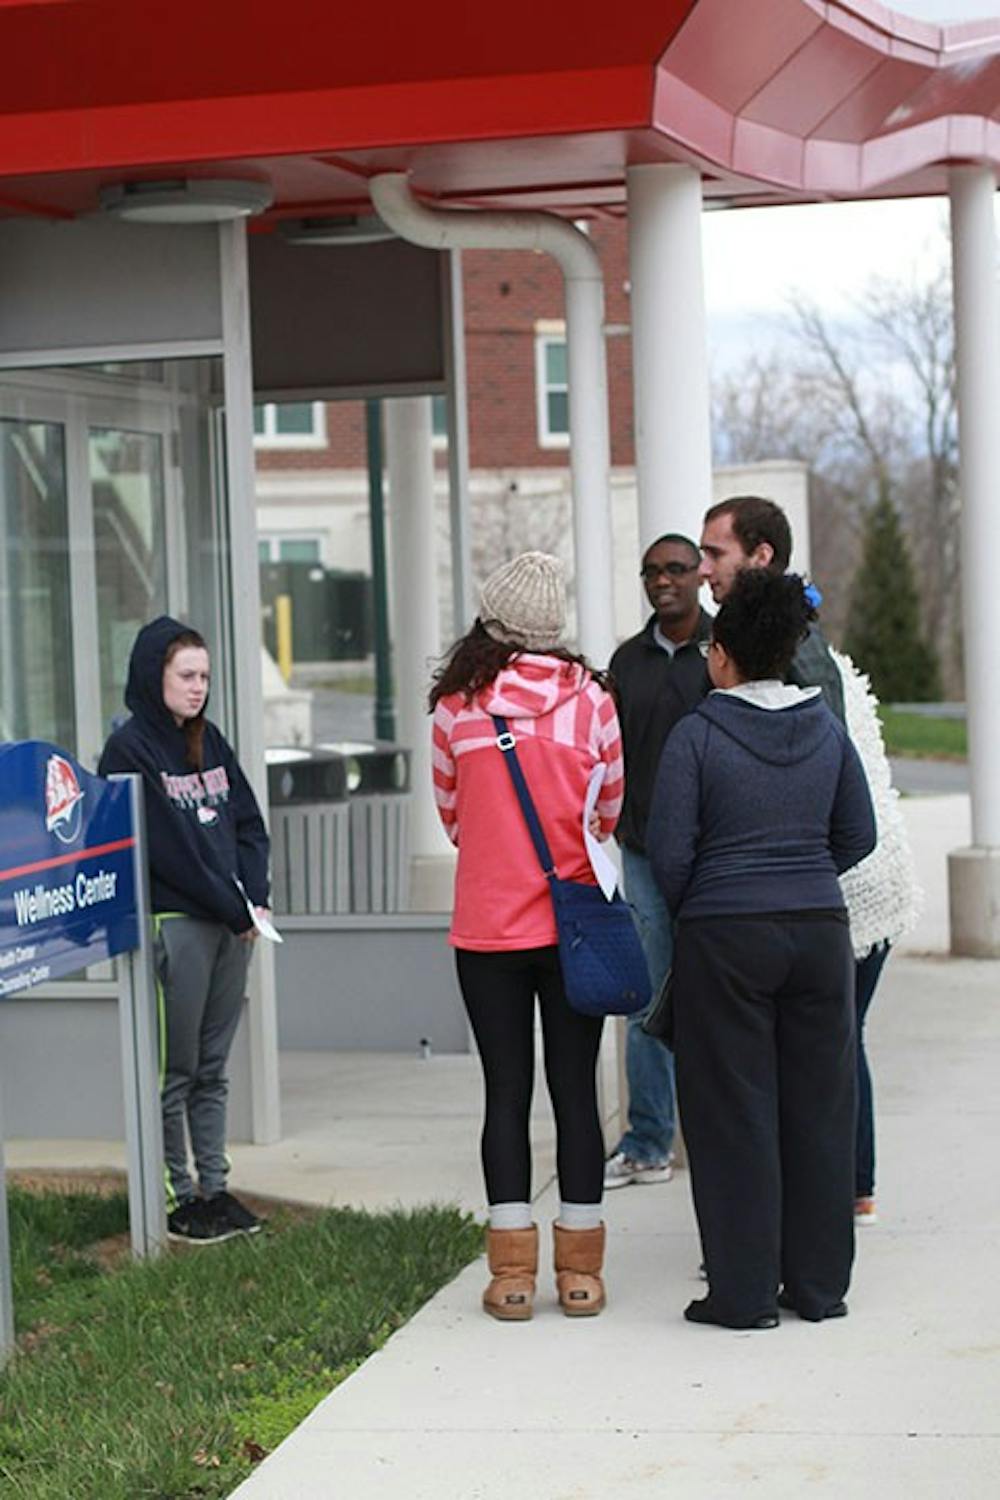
883	901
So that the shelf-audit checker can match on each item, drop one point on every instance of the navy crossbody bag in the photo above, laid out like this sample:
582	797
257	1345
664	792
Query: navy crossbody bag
603	966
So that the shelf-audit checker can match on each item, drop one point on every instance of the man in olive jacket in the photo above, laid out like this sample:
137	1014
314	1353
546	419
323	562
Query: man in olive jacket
747	531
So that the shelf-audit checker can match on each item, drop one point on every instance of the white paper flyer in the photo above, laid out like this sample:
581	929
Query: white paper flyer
600	862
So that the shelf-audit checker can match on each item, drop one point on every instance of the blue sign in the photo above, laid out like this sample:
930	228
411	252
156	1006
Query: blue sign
68	893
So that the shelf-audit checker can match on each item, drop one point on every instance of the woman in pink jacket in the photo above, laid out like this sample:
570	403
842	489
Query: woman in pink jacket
511	664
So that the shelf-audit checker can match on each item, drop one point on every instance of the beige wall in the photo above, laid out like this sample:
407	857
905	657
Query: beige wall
512	510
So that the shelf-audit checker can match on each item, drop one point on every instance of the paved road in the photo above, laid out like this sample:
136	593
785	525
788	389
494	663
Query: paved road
349	716
936	778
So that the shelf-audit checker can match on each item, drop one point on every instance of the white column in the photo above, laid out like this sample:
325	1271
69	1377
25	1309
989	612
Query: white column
416	642
673	448
590	465
977	349
975	873
462	592
245	585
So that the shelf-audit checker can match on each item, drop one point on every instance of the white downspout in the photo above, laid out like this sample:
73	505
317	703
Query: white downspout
590	448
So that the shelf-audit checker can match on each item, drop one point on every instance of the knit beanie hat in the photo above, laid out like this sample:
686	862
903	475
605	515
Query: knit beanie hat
524	601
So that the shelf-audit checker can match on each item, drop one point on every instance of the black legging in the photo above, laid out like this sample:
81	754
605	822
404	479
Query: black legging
499	991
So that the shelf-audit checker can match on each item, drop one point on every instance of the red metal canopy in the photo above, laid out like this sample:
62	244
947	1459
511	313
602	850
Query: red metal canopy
540	105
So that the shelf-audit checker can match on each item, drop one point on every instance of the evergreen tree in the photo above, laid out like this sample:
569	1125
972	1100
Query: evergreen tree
884	636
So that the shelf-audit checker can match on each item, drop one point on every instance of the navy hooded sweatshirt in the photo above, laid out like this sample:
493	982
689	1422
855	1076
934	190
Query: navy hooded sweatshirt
204	828
757	809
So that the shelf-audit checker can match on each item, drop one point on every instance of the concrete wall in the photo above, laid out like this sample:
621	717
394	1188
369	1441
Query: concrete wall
371	984
512	509
60	1070
98	283
332	506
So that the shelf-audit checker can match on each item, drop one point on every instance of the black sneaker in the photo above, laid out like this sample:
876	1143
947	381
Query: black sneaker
234	1215
192	1222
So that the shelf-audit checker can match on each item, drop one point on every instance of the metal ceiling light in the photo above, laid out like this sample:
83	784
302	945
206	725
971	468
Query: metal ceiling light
336	229
193	200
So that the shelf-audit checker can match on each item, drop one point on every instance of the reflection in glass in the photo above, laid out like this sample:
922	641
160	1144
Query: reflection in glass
36	659
126	477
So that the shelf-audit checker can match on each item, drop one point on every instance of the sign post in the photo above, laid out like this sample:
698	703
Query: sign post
137	1019
73	892
6	1299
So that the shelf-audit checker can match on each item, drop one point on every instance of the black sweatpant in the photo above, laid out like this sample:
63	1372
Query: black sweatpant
499	991
767	1087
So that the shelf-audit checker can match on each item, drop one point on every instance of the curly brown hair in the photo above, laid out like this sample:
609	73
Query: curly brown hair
762	620
476	658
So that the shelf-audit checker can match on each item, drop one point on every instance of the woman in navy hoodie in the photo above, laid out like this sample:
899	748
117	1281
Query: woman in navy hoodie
760	804
208	857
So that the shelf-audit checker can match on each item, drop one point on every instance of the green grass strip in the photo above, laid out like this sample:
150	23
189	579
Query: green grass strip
919	735
167	1380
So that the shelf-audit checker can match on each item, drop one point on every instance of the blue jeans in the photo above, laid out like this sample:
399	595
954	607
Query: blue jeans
649	1065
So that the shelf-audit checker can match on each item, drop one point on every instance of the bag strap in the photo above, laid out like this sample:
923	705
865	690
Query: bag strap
507	743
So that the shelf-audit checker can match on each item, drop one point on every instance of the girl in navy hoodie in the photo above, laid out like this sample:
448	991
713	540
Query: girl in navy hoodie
208	858
760	804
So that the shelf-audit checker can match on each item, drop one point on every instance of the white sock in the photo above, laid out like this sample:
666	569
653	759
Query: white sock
510	1216
579	1216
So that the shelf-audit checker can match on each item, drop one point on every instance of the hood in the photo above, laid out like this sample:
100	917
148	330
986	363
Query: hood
532	685
771	693
777	736
144	688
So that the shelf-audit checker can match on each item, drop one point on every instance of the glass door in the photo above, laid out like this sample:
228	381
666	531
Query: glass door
127	488
37	697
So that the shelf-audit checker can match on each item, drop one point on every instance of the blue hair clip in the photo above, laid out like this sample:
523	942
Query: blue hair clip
812	593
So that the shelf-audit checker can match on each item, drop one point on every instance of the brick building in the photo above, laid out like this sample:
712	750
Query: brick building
312	494
312	488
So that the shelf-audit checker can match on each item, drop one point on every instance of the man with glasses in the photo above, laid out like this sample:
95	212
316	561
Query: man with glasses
660	676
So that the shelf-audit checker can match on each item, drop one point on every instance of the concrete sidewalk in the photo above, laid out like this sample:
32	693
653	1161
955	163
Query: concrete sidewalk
900	1399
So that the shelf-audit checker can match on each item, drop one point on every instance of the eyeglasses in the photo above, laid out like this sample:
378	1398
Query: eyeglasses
651	571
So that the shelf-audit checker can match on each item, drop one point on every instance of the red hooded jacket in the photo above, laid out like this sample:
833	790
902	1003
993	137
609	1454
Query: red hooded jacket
564	725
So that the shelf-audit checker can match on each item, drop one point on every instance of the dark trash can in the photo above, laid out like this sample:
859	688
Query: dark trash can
339	828
378	788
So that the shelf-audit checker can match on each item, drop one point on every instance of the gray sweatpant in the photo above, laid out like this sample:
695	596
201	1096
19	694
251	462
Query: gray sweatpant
201	970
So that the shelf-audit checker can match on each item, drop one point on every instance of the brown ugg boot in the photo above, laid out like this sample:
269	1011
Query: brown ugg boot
513	1262
579	1258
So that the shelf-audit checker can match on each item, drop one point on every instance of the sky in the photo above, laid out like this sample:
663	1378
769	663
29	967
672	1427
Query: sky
756	259
947	10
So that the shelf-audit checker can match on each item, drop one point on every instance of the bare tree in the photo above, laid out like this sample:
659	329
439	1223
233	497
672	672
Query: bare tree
869	404
914	325
773	406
